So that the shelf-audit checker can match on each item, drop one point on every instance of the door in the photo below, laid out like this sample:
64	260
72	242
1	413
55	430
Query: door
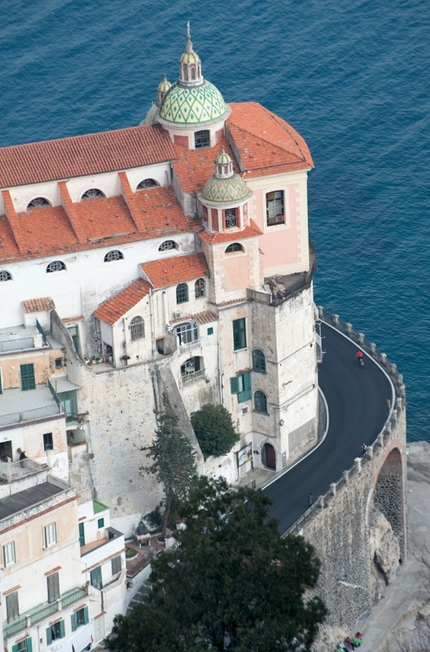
27	377
268	457
5	450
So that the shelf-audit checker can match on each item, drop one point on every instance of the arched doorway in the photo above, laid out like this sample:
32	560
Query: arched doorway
268	457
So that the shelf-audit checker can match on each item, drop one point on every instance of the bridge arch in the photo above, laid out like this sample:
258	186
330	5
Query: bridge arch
388	494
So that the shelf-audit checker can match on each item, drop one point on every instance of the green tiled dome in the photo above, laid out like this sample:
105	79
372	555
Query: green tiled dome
226	190
164	86
192	105
223	158
189	57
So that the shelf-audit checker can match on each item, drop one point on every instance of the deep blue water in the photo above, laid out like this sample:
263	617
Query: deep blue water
350	75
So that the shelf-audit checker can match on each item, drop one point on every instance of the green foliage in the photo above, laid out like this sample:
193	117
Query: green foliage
233	583
172	455
214	429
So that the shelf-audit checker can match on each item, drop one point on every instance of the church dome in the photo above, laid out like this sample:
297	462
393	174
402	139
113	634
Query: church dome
164	86
189	57
192	105
232	189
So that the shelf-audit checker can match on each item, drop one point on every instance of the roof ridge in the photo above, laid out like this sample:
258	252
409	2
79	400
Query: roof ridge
268	142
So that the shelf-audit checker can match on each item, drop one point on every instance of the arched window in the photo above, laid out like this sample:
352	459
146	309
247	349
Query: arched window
182	293
187	332
193	73
55	266
92	193
147	183
258	361
230	218
5	276
38	202
113	255
167	245
260	401
137	328
199	287
234	247
202	139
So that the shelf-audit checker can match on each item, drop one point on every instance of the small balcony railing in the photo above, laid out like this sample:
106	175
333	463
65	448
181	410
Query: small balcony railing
11	471
29	415
189	346
192	377
43	611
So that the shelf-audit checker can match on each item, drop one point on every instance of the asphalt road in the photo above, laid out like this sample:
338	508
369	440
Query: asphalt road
358	409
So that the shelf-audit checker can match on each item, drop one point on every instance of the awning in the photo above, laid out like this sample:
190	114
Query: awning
63	384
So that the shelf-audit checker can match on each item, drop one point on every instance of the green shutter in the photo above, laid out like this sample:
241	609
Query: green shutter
234	385
27	377
81	534
49	636
86	619
28	644
74	621
14	648
245	394
62	629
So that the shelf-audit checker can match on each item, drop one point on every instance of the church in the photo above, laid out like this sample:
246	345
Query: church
174	257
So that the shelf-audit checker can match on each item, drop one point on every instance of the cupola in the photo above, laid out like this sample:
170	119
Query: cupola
225	186
190	66
162	89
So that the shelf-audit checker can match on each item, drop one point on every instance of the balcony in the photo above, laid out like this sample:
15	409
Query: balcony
17	406
192	377
22	338
11	471
112	543
43	611
189	346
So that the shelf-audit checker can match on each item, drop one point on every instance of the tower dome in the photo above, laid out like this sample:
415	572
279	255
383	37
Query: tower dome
162	89
225	186
192	101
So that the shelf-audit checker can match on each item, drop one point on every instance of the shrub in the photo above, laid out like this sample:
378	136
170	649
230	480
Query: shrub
214	429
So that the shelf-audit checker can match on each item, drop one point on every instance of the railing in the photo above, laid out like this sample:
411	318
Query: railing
382	438
42	332
195	344
29	415
17	345
195	375
43	611
10	471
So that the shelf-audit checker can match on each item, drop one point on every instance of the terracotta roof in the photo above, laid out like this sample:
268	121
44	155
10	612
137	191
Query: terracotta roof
81	155
67	320
178	269
264	143
38	305
250	231
116	307
49	231
205	317
194	167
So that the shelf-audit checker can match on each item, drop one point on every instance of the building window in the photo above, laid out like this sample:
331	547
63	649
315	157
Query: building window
234	247
113	255
199	287
182	293
92	193
96	578
53	585
9	556
187	333
147	183
38	202
239	334
167	245
230	218
258	361
50	534
260	401
79	618
137	328
58	363
28	380
69	402
241	385
12	606
55	631
202	139
48	444
81	534
55	266
5	276
210	330
23	645
116	565
100	523
275	207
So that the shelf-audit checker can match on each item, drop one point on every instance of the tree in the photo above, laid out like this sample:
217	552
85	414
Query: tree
214	429
232	584
173	459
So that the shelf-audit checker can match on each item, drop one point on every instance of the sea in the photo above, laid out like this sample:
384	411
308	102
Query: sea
352	76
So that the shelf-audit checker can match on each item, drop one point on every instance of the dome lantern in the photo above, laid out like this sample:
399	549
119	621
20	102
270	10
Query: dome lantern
162	89
190	66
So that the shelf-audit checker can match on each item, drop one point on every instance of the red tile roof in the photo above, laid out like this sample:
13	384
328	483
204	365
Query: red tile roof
205	317
89	224
177	269
259	143
116	307
81	155
38	305
250	231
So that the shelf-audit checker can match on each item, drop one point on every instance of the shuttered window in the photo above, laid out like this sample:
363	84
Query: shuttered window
53	583
79	618
241	385
12	606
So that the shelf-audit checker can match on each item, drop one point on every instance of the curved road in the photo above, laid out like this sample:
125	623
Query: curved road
358	409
